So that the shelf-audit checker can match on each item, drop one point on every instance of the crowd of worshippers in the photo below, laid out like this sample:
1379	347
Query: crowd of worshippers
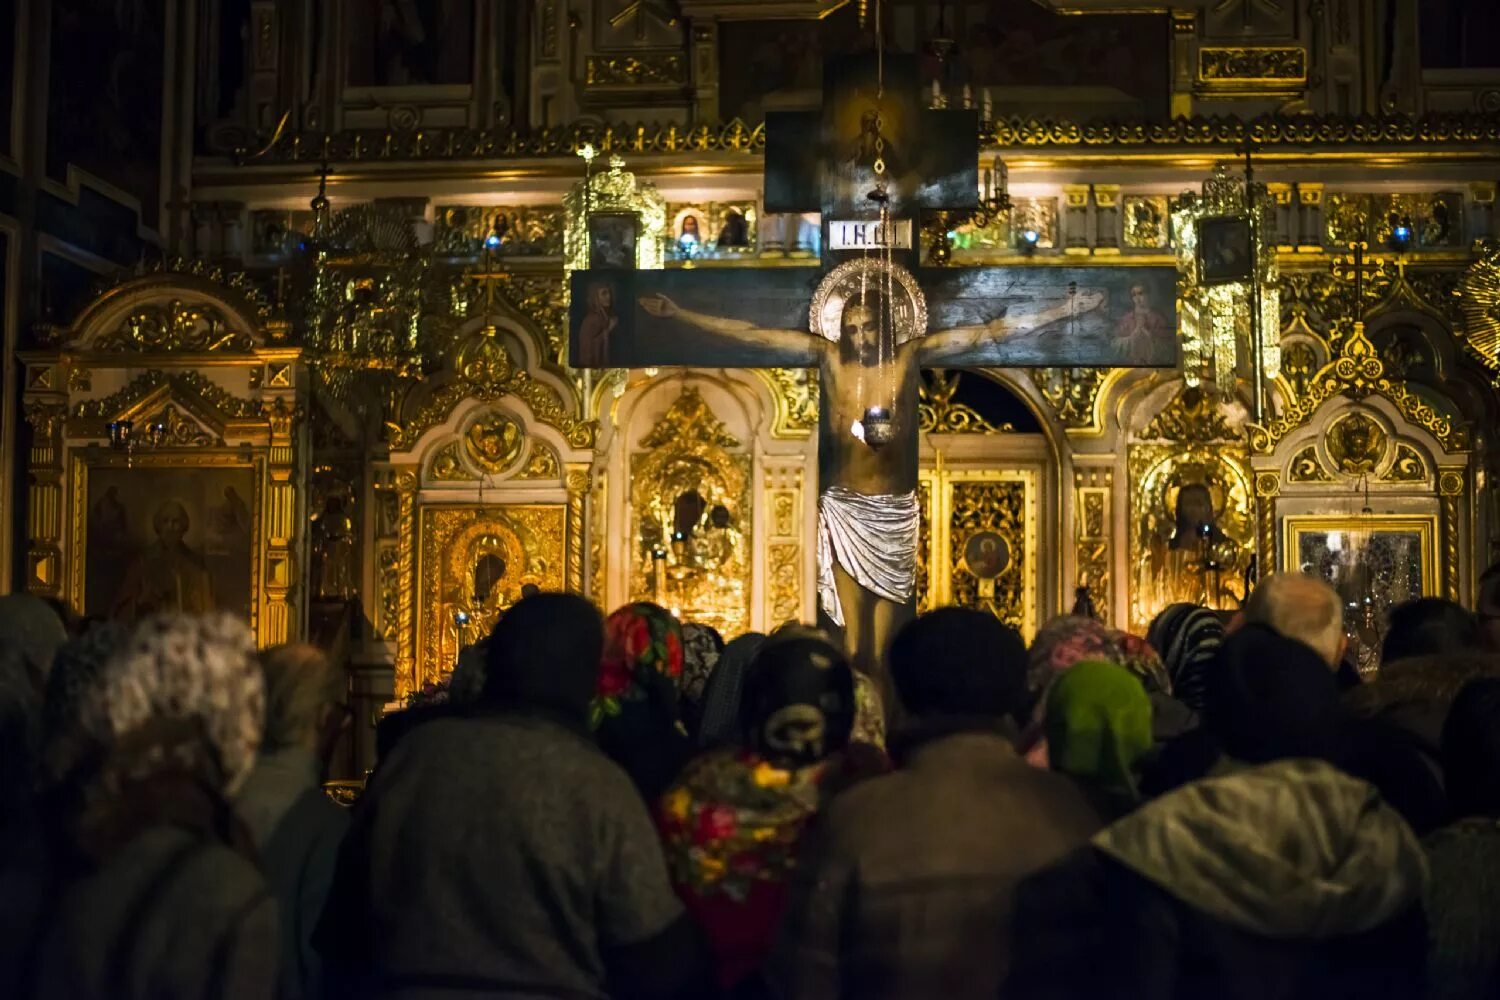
631	807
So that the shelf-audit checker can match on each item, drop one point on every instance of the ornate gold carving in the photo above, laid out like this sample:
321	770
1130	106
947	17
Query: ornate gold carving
1357	372
1451	489
448	465
175	325
1408	466
1480	331
1462	130
486	372
177	431
1147	221
614	190
472	565
690	506
796	391
185	386
598	528
493	442
1253	66
1306	468
1267	487
644	69
1357	444
390	592
542	463
1092	495
784	572
1175	491
1071	392
998	507
1299	363
1192	416
405	487
543	300
578	489
937	412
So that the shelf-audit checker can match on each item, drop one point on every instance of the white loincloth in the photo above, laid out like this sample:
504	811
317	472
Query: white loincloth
874	539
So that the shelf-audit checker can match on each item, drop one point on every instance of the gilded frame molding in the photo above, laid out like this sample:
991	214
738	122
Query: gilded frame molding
1294	526
270	613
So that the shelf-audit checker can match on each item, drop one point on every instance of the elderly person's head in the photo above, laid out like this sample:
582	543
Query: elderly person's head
304	695
1303	608
183	694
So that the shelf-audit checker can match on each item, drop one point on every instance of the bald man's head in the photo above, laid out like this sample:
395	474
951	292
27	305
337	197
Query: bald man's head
1300	607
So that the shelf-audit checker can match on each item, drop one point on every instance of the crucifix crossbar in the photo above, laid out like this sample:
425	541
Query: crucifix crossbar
870	322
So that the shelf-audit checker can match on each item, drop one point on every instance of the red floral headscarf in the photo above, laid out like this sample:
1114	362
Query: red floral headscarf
642	652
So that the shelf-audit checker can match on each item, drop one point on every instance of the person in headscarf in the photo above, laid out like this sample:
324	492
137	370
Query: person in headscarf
1463	897
500	853
732	823
1287	881
720	722
701	648
157	892
296	826
1187	637
1066	641
1099	733
636	710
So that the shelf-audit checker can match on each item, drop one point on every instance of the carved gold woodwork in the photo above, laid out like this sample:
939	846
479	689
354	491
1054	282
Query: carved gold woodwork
796	393
937	412
577	483
472	563
690	518
198	395
963	504
493	442
1073	393
924	577
1261	69
598	533
1357	372
1093	494
485	370
783	488
1267	488
614	189
1428	135
1406	467
542	463
1306	467
1148	221
1191	416
638	70
404	489
175	325
1176	490
448	465
1480	331
1451	490
1356	443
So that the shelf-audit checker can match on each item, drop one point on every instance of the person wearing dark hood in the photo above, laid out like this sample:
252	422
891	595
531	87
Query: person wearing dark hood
1287	881
502	854
720	722
733	822
907	884
1429	626
1463	898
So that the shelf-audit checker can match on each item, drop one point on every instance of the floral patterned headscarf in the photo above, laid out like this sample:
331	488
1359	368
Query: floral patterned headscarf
642	649
701	648
1071	639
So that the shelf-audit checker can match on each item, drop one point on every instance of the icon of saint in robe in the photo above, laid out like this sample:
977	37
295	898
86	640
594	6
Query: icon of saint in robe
167	575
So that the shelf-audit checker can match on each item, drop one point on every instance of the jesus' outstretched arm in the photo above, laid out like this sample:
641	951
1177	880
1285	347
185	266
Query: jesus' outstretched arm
741	331
942	346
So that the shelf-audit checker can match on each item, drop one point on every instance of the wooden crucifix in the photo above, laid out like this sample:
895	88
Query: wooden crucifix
870	321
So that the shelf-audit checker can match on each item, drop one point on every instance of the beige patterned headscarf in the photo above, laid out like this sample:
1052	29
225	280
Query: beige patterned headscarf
186	666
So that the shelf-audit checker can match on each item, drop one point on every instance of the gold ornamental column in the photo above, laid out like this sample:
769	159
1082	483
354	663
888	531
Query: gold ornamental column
281	524
46	413
577	482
